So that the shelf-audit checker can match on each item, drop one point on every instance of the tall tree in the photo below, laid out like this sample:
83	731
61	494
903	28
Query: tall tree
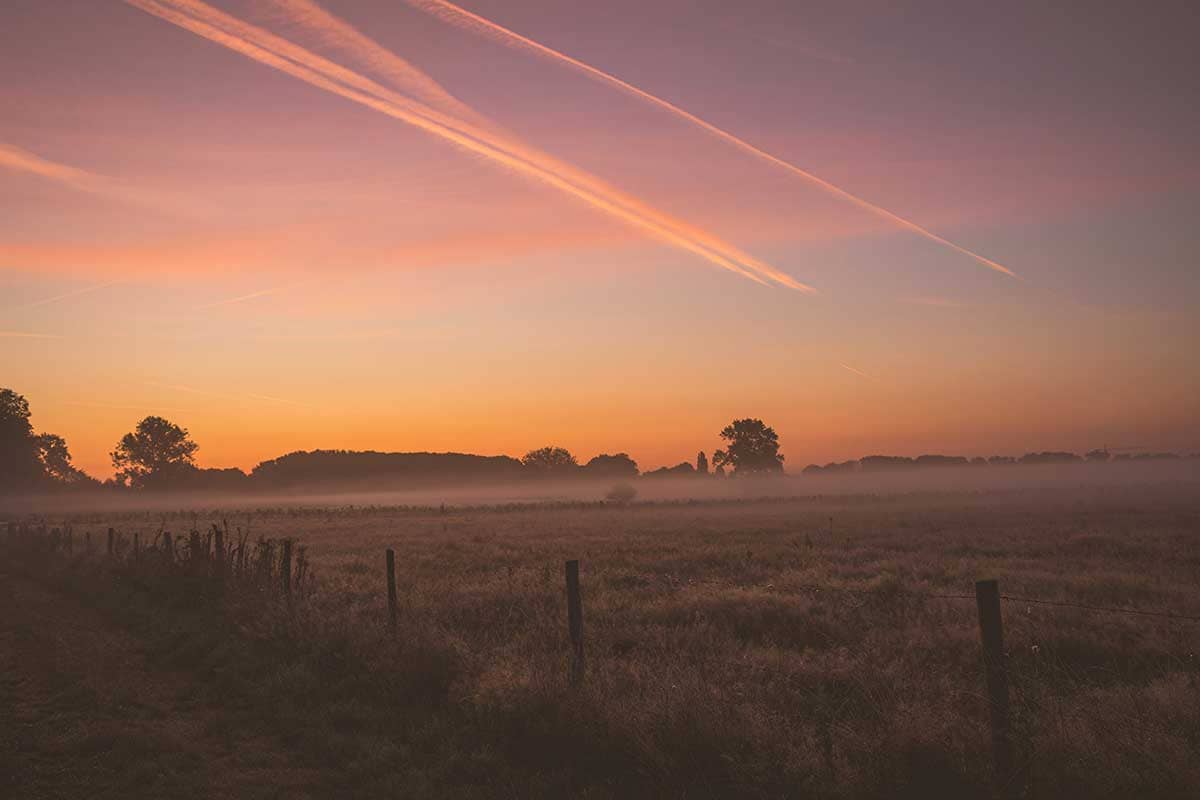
702	464
56	460
19	465
155	450
751	447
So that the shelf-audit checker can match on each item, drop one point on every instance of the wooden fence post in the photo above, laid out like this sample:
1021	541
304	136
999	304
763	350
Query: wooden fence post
987	598
286	567
111	535
575	623
137	546
219	564
391	587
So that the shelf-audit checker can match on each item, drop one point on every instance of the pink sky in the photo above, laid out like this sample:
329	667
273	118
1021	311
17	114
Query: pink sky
279	264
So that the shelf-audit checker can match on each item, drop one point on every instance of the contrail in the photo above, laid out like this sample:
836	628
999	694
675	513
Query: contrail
267	48
399	73
460	17
68	295
26	335
857	372
19	160
243	298
224	395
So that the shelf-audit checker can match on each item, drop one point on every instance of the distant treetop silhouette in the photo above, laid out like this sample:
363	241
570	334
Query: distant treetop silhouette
752	447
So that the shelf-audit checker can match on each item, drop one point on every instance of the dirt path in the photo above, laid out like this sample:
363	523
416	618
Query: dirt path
84	714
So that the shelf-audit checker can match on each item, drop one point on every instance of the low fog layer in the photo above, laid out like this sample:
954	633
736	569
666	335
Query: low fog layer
931	480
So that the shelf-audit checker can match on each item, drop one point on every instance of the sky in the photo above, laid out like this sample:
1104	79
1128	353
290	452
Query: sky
384	224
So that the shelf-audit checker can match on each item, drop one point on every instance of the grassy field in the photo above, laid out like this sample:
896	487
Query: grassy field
788	648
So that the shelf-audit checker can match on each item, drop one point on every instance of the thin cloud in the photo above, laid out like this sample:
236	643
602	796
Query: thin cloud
398	72
462	18
69	295
18	160
225	395
274	51
28	335
243	298
857	372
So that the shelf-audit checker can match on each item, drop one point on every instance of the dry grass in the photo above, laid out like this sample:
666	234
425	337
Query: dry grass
713	669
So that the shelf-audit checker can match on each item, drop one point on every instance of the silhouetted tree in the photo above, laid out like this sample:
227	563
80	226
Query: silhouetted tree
683	469
702	463
156	450
752	447
19	465
1098	456
56	460
550	461
612	466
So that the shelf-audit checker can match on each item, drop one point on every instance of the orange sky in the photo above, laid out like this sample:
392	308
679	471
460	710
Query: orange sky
423	239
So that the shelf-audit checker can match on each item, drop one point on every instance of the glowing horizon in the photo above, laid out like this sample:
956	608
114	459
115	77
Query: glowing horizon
322	224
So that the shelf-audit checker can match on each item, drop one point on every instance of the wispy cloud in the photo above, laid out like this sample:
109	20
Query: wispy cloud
19	160
394	70
243	298
69	295
281	54
857	372
147	408
28	335
225	395
460	17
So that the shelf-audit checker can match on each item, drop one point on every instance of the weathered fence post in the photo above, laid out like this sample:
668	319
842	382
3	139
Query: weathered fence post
286	567
168	545
391	587
987	598
219	565
137	546
575	623
112	534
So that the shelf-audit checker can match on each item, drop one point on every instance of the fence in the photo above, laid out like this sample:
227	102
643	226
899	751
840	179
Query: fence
281	567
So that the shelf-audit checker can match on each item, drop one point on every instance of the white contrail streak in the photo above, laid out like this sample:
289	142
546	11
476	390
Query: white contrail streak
857	372
462	18
68	295
242	298
398	72
18	160
267	48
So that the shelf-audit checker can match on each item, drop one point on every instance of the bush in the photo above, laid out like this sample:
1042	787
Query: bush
622	493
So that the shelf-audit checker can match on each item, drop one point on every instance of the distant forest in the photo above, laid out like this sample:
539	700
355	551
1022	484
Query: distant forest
159	455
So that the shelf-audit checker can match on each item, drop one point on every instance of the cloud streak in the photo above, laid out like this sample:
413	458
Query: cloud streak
69	295
460	17
281	54
28	335
18	160
857	372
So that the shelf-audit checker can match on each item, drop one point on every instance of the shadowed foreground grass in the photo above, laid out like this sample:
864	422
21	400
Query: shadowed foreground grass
714	668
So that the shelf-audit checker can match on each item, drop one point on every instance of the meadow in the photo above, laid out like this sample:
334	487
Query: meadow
787	647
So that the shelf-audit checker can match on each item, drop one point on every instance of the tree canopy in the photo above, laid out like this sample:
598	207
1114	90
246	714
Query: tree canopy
156	450
751	447
30	460
619	465
550	460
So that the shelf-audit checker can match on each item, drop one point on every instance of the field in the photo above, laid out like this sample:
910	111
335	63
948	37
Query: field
805	647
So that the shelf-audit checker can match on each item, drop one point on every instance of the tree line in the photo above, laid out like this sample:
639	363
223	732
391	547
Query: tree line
161	455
